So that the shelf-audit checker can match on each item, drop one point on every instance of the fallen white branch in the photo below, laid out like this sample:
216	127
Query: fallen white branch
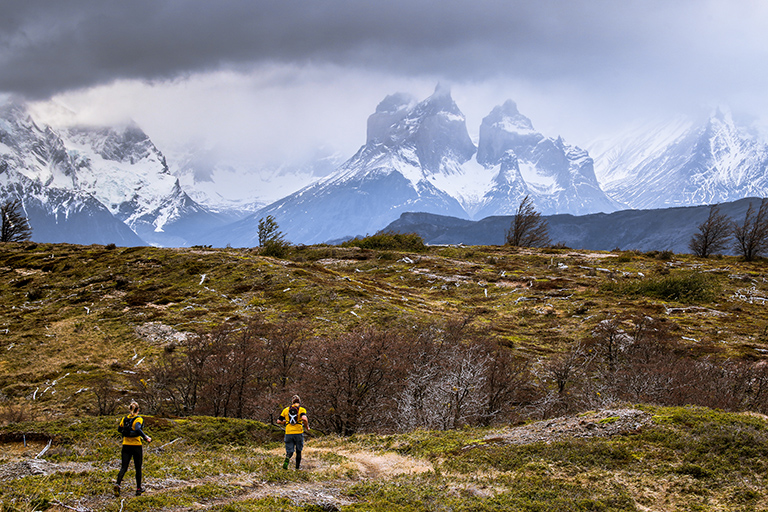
44	449
78	509
169	443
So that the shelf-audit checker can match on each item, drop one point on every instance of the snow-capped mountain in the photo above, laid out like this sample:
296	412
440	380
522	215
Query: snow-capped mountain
419	156
117	175
35	168
123	169
112	184
559	178
683	163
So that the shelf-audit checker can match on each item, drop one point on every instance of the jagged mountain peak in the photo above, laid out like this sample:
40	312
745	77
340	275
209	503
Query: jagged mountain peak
440	101
126	143
16	117
505	129
510	118
434	130
418	156
383	124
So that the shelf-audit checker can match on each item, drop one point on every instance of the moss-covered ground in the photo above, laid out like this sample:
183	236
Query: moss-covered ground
71	315
685	459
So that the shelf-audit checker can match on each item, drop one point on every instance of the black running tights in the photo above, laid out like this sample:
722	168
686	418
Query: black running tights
130	452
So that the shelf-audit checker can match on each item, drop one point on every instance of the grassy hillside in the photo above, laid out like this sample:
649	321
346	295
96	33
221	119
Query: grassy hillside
82	327
71	315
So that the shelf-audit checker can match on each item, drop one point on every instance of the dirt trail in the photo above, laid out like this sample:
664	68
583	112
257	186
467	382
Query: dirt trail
329	495
352	466
378	465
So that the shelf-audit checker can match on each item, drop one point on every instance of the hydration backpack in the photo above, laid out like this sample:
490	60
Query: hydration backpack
293	415
125	427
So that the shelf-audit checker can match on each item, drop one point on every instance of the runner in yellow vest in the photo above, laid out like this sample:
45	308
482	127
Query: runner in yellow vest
132	448
295	420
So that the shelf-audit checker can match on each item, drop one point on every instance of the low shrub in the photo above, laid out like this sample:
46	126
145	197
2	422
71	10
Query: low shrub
685	286
275	248
389	241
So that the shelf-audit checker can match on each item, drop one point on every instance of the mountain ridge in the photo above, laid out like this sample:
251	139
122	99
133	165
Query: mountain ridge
644	230
418	157
77	184
682	163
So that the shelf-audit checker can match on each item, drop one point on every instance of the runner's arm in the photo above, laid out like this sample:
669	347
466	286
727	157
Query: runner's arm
138	428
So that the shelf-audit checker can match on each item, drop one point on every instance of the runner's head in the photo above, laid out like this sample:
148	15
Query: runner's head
295	400
133	408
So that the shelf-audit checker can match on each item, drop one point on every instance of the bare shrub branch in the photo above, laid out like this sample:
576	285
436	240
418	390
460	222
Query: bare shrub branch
528	229
714	234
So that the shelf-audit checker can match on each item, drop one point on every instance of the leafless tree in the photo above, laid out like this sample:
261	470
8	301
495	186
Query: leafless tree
106	396
508	385
179	376
283	346
563	368
249	367
528	229
714	234
752	235
15	226
219	379
423	362
461	389
608	339
349	379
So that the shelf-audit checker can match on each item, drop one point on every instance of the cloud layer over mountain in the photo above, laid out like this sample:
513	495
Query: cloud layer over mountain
265	80
51	46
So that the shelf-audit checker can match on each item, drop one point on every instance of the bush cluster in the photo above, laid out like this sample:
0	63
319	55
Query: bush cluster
434	376
684	286
389	241
363	380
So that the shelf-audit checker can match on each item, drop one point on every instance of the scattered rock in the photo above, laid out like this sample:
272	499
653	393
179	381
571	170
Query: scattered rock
606	423
160	334
23	468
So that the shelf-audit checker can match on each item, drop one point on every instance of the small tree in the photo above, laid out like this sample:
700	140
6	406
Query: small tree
528	229
271	239
15	226
106	396
714	234
752	236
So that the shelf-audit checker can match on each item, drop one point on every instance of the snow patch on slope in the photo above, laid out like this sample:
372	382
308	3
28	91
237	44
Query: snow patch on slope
616	156
469	184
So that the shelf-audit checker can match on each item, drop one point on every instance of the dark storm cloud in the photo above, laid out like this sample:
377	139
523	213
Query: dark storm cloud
50	46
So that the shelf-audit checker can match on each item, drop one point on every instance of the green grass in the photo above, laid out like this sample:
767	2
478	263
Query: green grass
686	286
687	459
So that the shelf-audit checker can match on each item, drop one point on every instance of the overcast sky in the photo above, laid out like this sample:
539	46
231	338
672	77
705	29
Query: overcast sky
272	79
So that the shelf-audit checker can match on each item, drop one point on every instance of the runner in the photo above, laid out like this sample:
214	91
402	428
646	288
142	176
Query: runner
131	428
295	420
